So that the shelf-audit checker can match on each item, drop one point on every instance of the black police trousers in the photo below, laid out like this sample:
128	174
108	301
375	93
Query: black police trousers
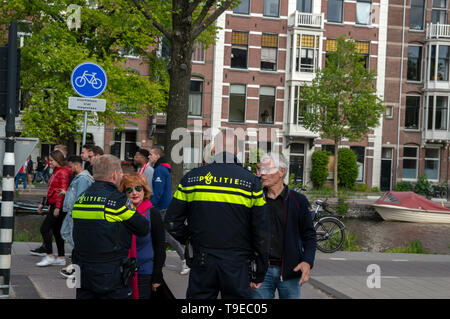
102	281
210	275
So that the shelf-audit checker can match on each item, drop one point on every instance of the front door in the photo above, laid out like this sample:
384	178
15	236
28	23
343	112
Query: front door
296	168
385	180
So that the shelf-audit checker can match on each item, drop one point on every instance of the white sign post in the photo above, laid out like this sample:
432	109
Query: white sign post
88	80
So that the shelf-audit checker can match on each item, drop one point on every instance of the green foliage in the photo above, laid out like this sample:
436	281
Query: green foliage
415	247
347	168
423	186
51	52
292	184
362	187
375	189
342	206
319	168
349	242
254	159
403	186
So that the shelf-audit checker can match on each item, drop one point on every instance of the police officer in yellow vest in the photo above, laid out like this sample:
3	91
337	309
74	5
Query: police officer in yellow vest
104	221
226	224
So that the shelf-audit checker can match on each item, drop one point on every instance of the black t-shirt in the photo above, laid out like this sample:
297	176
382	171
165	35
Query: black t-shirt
275	207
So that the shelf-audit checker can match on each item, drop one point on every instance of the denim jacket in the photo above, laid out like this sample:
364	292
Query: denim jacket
79	184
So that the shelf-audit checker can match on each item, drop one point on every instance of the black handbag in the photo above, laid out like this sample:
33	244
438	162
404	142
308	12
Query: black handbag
163	292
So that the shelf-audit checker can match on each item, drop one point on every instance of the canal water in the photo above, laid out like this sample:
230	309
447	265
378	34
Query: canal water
370	235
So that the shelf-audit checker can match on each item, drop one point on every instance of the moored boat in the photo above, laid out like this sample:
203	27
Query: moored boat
411	207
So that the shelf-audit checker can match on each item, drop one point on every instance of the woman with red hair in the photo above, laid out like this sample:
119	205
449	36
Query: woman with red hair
150	250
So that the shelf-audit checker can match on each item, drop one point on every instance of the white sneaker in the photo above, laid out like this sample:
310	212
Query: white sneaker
60	261
46	261
184	268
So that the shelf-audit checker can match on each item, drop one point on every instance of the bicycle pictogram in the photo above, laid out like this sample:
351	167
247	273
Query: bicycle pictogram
88	78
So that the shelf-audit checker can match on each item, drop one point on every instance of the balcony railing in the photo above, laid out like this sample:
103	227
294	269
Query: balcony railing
309	20
437	30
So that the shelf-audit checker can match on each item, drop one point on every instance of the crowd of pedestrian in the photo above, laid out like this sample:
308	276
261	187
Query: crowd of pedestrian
237	234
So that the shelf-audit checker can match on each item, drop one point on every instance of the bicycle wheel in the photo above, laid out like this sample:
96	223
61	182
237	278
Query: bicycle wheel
96	83
330	234
80	81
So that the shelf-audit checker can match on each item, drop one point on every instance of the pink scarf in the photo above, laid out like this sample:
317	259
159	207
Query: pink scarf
142	208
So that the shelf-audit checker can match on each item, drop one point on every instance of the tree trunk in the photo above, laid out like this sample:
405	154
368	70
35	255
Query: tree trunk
335	174
180	76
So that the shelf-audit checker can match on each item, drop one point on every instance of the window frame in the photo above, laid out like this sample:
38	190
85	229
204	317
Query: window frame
410	159
438	160
239	46
273	107
420	64
370	12
245	102
271	16
411	128
342	11
243	13
196	93
275	68
423	16
440	10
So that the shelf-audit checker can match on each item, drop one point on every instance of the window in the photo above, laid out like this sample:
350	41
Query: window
243	7
237	103
389	112
440	73
124	146
359	152
363	11
307	54
335	10
299	107
304	6
266	105
414	63
269	45
410	162
195	98
441	113
416	14
239	49
412	112
432	163
439	12
437	112
198	55
362	47
271	8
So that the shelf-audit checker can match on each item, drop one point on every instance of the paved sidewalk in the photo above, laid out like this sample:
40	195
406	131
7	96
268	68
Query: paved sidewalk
337	275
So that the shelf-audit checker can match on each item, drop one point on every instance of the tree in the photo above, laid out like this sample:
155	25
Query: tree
51	51
182	23
342	100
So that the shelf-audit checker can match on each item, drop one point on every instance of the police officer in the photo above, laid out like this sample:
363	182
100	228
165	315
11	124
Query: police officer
226	224
104	221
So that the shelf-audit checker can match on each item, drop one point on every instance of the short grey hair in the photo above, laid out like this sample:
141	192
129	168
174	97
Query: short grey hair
104	167
277	159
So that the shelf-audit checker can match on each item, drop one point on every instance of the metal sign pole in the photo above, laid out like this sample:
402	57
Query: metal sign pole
84	132
7	208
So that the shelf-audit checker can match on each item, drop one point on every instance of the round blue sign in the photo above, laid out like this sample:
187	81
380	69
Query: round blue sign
88	79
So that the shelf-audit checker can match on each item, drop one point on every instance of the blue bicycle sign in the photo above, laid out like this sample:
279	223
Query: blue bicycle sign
89	79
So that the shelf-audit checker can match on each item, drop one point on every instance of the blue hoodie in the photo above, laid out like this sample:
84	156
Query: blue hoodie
162	186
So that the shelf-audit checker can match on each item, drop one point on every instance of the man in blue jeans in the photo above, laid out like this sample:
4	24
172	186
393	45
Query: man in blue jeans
293	238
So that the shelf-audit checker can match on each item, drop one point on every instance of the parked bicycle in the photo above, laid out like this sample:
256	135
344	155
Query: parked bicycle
330	231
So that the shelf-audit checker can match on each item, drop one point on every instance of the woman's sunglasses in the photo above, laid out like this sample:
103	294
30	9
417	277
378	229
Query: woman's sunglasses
137	188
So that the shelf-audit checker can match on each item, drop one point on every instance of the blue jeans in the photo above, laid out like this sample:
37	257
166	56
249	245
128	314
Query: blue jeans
23	177
40	175
287	289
